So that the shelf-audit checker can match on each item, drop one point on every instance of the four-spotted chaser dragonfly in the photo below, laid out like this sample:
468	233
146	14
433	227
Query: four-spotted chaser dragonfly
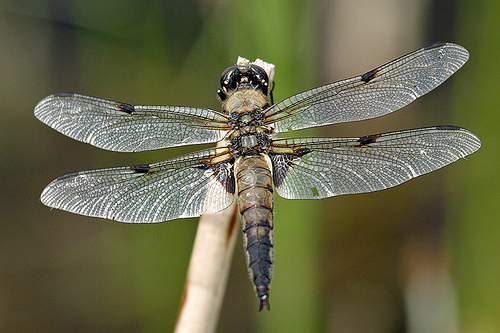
252	162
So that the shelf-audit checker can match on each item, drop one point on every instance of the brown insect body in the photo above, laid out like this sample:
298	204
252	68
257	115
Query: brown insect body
253	173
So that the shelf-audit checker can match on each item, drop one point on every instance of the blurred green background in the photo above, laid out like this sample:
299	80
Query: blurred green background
421	257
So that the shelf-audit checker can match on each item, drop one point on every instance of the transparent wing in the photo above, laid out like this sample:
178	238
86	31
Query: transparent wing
325	167
186	186
373	94
129	128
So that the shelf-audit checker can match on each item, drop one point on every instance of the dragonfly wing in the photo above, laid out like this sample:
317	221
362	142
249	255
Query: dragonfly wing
325	167
186	186
373	94
129	128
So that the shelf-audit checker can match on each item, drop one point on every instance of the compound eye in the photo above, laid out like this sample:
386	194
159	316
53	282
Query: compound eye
230	78
259	78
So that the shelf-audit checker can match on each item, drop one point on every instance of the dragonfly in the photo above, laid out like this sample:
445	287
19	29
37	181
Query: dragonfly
251	162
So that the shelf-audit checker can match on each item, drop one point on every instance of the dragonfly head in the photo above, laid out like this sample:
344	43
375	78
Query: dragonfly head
243	75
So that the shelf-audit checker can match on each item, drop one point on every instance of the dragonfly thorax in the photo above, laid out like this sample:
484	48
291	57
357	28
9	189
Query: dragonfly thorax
250	139
247	119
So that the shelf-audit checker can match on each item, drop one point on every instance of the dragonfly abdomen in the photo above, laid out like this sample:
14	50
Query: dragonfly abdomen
255	202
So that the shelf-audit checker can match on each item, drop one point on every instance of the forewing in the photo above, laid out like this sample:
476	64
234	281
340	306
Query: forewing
373	94
129	128
320	168
186	186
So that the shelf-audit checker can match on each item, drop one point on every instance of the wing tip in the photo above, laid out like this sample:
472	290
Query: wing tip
40	108
474	139
463	57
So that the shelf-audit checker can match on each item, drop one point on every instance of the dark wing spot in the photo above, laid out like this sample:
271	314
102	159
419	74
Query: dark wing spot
302	151
201	165
448	127
368	139
282	162
64	94
140	168
125	107
433	46
224	174
222	171
68	175
368	76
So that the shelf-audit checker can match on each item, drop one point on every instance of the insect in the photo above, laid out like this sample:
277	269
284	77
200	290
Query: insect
253	163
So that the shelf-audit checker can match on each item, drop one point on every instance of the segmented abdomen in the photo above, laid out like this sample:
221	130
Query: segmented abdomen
255	202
